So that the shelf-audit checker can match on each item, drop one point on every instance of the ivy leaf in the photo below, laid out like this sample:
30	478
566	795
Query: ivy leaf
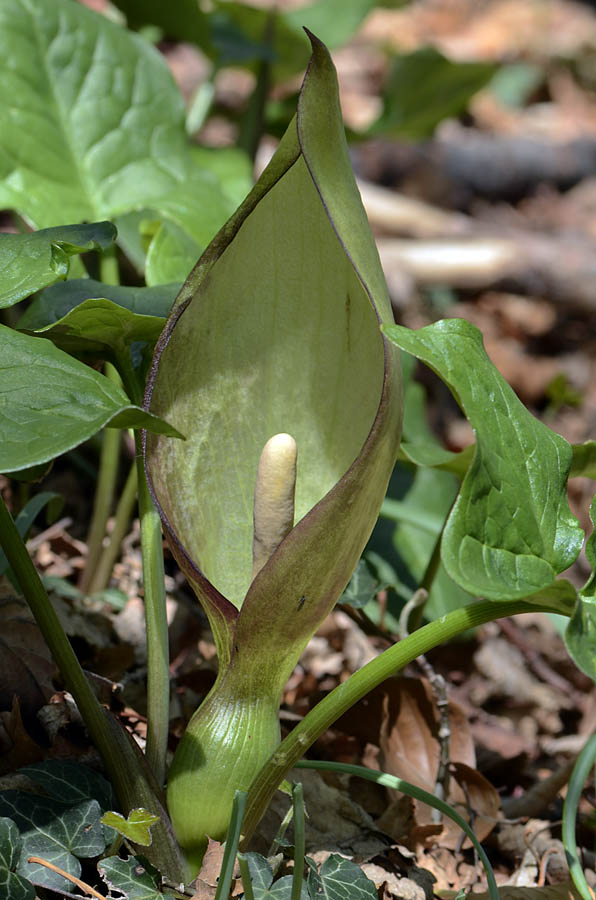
261	879
50	402
510	531
12	886
30	262
56	301
95	126
70	782
362	587
339	879
55	832
136	828
133	877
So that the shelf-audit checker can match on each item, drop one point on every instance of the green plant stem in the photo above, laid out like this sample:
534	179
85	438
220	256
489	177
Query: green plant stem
245	875
580	773
299	841
59	645
430	573
104	494
158	654
226	873
101	576
336	703
108	266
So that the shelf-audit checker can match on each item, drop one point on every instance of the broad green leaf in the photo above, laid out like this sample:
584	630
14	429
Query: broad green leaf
276	330
94	125
55	302
102	328
510	531
432	494
53	831
136	828
12	886
339	879
580	636
132	878
30	262
171	255
230	166
419	445
50	402
423	88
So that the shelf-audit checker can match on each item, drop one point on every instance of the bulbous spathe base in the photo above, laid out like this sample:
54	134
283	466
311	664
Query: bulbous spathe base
227	741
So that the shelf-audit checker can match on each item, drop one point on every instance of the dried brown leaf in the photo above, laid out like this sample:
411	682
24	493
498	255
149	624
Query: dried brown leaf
410	749
26	666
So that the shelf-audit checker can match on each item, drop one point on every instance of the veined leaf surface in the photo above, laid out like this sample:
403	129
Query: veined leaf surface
510	531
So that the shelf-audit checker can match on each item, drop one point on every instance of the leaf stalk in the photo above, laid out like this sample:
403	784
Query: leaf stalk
336	703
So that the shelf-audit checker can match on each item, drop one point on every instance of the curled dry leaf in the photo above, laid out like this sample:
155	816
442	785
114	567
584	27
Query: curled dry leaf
401	717
26	666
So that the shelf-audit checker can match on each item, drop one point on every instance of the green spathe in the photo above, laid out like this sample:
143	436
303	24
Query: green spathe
276	330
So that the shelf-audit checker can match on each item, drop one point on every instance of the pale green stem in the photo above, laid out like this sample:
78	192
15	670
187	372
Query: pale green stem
583	765
389	663
103	571
104	493
299	841
158	654
108	266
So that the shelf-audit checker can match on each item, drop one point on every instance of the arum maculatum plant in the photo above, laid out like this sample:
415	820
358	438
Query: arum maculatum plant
273	364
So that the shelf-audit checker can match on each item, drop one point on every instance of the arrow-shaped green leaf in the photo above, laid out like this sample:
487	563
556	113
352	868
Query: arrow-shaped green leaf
50	402
30	262
510	531
93	123
56	301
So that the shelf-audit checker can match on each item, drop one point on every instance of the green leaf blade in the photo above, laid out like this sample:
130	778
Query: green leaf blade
55	832
136	828
510	531
30	262
12	885
50	403
340	879
132	878
56	301
95	126
580	634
